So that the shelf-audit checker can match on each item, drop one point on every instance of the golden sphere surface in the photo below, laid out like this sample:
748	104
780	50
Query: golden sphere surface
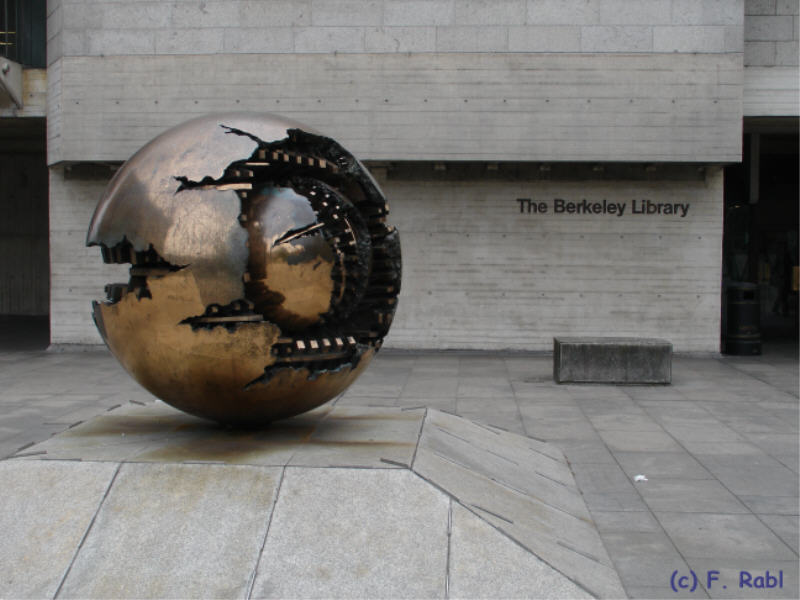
263	275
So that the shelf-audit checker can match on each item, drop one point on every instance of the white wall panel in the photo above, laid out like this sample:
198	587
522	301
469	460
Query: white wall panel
451	106
77	273
478	274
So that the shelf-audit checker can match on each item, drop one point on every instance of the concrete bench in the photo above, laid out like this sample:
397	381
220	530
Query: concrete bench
611	360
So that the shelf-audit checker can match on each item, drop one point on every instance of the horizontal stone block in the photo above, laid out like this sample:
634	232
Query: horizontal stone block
275	13
689	39
490	12
611	360
258	39
206	14
329	39
563	12
188	41
707	12
759	54
346	12
759	7
616	38
472	39
140	15
786	54
400	39
552	38
764	29
119	41
418	12
722	12
641	12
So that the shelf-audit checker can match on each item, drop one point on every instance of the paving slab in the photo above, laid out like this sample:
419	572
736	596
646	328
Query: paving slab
604	426
327	504
175	531
563	540
481	561
355	533
645	559
689	496
625	521
727	537
773	505
47	509
662	465
785	527
363	437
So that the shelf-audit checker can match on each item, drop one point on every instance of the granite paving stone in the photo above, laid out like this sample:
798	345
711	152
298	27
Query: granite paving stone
591	451
724	536
639	441
645	559
728	429
443	404
703	448
606	408
625	521
355	533
785	527
601	478
646	592
481	561
558	428
625	500
774	505
703	432
689	496
790	461
362	437
662	465
775	443
40	531
751	474
544	475
564	541
172	530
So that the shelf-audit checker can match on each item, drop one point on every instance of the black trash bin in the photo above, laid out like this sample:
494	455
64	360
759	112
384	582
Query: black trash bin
743	328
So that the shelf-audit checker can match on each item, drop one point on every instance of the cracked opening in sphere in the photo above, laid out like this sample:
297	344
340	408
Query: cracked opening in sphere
307	259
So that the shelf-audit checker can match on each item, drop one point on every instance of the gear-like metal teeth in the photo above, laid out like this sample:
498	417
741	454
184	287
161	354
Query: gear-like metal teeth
315	167
314	349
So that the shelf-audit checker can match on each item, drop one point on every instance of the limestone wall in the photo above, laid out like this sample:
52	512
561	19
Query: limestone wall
480	274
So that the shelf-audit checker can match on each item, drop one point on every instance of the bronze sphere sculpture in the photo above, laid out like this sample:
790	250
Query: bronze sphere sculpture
263	274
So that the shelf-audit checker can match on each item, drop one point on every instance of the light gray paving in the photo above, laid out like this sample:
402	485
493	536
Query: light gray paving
355	533
604	432
40	531
563	540
175	531
480	562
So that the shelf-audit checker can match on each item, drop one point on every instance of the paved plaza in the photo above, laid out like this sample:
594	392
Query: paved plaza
718	447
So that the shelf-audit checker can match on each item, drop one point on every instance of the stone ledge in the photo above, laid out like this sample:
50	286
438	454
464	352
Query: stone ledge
612	360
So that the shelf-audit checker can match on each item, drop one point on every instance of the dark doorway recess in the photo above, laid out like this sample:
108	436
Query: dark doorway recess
24	232
760	256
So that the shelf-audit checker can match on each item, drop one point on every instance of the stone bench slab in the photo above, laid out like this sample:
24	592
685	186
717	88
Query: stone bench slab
611	360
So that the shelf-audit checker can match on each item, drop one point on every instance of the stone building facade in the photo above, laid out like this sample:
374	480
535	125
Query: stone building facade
484	122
